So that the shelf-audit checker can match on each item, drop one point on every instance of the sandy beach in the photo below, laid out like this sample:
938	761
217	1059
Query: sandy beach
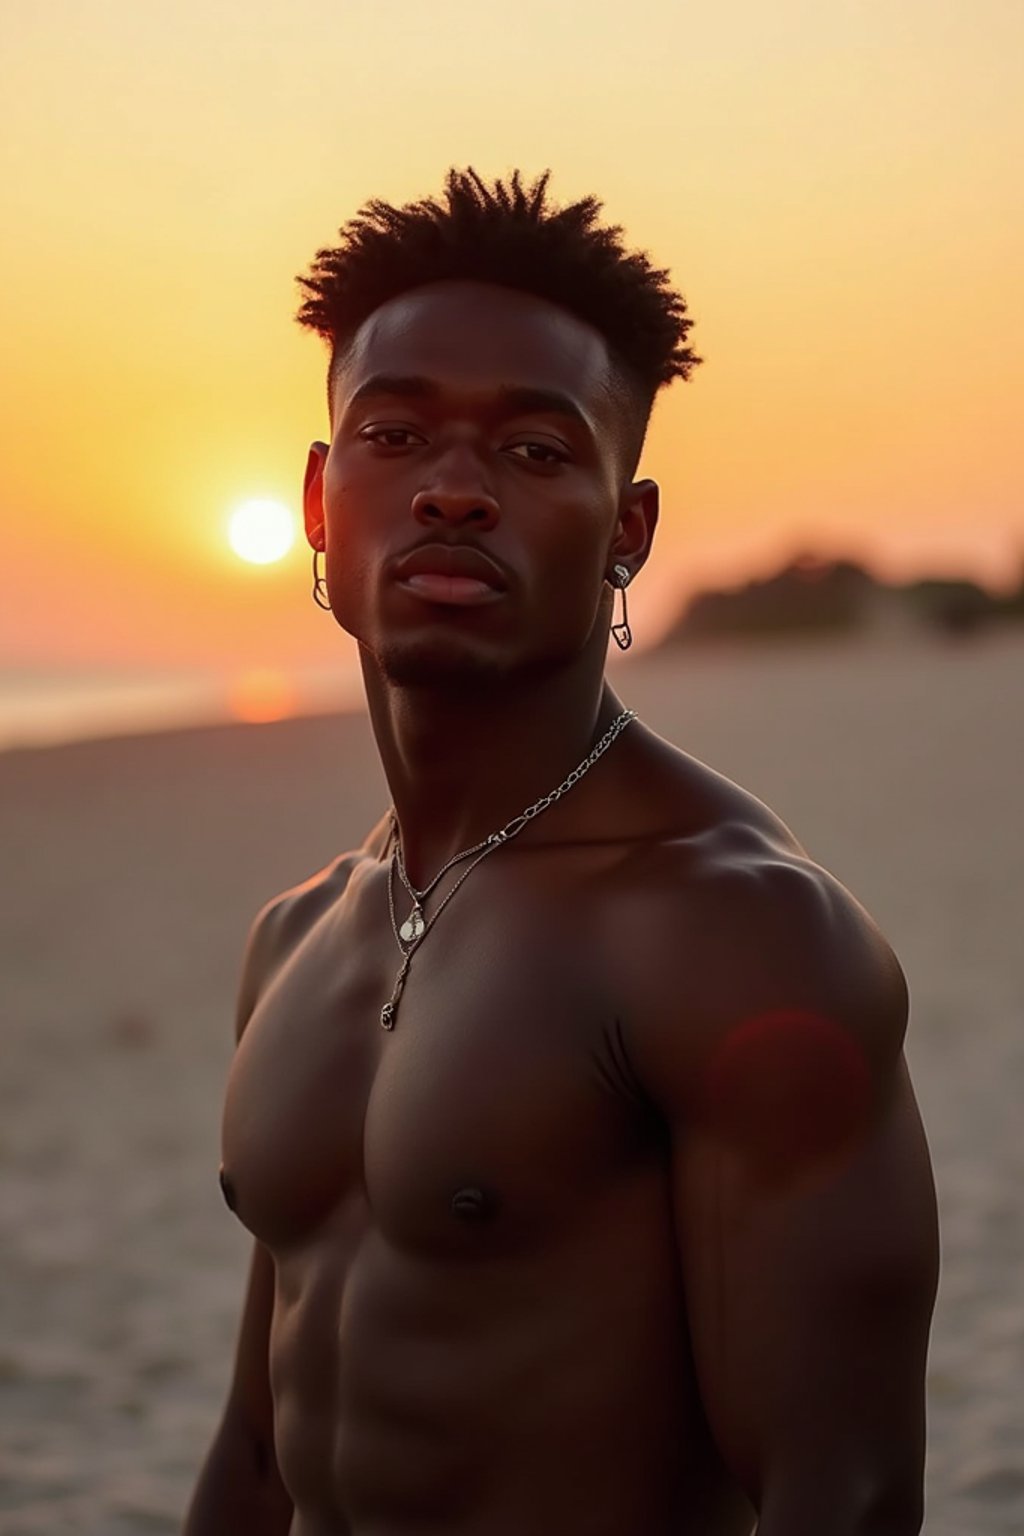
132	869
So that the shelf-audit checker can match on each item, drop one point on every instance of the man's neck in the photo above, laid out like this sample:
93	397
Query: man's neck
460	764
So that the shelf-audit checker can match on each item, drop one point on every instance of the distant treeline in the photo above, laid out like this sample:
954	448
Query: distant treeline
814	595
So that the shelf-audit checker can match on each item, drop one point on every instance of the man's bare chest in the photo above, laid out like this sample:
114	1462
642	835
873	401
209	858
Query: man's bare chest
498	1107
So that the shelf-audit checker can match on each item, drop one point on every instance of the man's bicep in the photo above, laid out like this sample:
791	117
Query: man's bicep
250	1396
810	1295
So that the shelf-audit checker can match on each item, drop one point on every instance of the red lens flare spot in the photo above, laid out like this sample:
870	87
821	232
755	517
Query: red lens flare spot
261	696
789	1085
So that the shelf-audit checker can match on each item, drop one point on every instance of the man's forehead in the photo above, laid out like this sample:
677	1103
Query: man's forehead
474	333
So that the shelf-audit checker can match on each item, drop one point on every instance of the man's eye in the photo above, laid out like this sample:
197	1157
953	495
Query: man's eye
378	434
553	454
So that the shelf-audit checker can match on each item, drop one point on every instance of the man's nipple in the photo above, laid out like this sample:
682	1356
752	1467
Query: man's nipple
473	1204
227	1189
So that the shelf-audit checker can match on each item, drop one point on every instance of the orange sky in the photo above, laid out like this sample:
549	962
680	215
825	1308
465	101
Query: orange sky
835	187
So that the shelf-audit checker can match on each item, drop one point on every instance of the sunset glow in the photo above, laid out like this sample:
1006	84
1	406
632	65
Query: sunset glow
834	189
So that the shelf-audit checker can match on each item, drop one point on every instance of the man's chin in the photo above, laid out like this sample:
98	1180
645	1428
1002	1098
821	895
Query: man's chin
452	668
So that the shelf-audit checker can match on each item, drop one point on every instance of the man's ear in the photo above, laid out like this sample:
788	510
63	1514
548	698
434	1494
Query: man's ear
313	495
638	518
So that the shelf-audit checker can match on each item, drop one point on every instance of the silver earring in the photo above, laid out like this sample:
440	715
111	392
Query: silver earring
622	632
320	595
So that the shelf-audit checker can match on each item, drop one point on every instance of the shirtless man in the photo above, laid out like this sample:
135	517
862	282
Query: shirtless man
623	1225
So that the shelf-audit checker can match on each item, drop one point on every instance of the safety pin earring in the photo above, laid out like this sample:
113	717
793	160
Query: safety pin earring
320	594
622	632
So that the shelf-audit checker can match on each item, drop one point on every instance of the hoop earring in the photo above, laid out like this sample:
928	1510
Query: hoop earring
622	632
320	593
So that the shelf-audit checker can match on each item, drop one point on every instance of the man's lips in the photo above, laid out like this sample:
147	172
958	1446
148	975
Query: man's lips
462	567
455	574
460	591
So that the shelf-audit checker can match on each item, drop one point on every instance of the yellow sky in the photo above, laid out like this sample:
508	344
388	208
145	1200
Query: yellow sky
835	187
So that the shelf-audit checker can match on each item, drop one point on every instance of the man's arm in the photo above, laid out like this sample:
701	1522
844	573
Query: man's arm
804	1204
240	1492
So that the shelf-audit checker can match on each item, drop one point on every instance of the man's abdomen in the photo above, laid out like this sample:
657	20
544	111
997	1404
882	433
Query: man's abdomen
514	1392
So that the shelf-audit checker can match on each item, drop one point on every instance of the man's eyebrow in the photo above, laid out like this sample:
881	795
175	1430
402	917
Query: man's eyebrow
513	399
523	399
407	385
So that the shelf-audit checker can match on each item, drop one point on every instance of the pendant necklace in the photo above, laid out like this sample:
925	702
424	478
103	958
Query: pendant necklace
417	925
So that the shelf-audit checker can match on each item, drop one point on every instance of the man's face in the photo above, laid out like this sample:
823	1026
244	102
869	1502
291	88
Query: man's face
475	416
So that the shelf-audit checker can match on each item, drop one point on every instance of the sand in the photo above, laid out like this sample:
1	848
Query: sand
131	871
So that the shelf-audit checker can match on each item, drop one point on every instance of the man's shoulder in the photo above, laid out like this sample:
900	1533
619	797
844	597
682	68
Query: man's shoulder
727	878
737	947
281	924
287	917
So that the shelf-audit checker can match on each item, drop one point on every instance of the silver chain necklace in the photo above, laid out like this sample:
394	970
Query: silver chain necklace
417	925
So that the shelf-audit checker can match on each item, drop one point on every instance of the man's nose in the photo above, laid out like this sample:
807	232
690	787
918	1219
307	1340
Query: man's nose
457	497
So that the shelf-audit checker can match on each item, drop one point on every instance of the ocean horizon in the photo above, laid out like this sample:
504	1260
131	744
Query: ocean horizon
50	706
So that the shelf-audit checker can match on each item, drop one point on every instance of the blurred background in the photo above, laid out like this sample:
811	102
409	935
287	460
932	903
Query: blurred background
833	615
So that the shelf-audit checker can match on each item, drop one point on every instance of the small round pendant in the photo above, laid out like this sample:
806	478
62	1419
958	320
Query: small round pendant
413	927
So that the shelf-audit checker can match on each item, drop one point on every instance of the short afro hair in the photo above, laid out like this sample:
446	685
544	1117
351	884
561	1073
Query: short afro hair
510	235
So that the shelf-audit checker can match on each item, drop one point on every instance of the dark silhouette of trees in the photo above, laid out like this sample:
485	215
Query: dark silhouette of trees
817	596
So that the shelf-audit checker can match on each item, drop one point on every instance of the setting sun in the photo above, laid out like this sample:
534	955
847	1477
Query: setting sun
261	531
